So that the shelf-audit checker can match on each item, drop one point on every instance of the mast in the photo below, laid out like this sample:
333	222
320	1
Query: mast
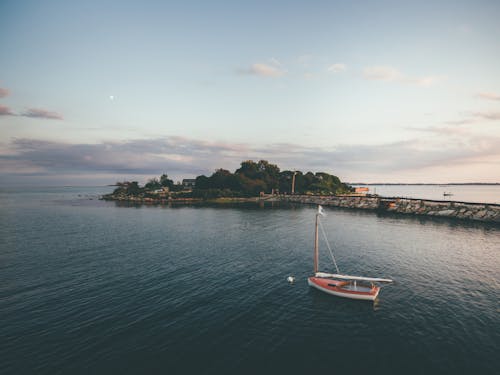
316	253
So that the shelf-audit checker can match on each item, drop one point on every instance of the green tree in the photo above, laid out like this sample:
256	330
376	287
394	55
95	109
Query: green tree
223	179
165	181
202	182
153	184
261	176
133	188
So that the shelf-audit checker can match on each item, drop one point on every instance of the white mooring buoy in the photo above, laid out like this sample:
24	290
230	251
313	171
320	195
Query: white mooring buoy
290	279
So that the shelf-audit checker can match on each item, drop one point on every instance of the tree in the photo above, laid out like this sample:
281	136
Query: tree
285	182
261	175
202	182
223	179
165	181
153	184
248	168
133	188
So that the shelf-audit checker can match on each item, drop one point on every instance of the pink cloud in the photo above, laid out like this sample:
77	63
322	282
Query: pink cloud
337	68
273	69
5	111
265	70
4	92
488	96
41	113
488	115
390	74
429	156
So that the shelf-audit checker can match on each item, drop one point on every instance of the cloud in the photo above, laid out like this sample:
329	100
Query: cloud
272	69
337	68
304	60
274	61
491	115
5	111
464	121
4	92
142	157
488	96
41	113
180	156
390	74
475	117
445	131
382	73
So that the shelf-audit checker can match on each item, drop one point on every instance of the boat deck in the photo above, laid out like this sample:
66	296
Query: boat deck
356	288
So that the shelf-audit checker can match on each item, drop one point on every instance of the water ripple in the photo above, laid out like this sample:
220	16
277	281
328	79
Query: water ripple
100	289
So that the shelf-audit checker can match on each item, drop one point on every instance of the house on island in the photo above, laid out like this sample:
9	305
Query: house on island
163	189
361	190
188	183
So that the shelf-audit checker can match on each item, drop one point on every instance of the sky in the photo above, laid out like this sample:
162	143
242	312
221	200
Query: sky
94	92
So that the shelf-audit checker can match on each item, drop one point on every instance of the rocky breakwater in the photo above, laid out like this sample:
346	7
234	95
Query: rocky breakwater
459	210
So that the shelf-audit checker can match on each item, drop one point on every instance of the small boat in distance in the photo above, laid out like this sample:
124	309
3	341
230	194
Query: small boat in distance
445	194
355	287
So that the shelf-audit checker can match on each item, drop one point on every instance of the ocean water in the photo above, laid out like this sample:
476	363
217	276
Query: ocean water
461	193
93	287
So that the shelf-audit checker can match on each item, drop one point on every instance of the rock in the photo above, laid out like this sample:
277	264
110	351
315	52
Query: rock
480	214
446	213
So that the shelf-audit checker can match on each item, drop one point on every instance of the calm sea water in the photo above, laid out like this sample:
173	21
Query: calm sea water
463	193
91	287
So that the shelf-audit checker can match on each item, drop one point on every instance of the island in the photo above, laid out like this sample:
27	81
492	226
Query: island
264	182
252	181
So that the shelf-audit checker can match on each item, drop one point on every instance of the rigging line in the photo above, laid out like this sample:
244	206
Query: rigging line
328	245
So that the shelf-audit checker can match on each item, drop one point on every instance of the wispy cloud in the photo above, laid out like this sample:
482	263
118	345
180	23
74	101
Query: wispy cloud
41	113
4	92
141	157
390	74
488	96
304	60
275	61
272	69
476	117
189	157
487	115
337	68
464	121
5	111
445	131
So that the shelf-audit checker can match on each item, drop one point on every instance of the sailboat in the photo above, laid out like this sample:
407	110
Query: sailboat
355	287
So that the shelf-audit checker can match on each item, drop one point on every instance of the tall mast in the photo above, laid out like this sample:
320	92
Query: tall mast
316	253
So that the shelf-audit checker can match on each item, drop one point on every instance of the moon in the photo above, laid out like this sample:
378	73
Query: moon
111	97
